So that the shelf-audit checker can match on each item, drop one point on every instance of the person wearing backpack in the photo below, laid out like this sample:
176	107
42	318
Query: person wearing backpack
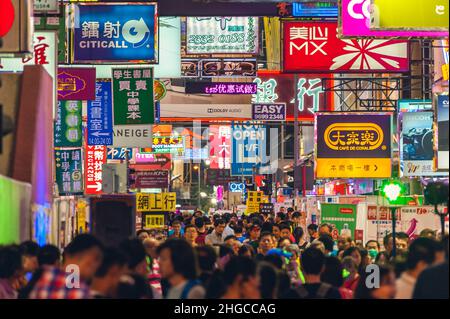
179	266
313	264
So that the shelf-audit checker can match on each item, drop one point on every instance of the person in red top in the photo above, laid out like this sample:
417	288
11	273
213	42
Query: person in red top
82	258
352	275
201	231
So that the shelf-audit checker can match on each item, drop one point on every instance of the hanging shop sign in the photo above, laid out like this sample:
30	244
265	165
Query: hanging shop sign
420	15
67	131
220	146
120	154
248	148
111	32
354	22
236	187
46	6
220	88
132	136
210	35
161	202
207	68
152	179
281	88
76	84
95	157
154	161
266	208
350	145
441	102
168	144
315	47
254	199
206	111
341	217
414	105
269	112
69	176
153	220
99	115
417	144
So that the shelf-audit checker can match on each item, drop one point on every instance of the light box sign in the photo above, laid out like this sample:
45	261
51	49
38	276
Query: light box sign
68	123
353	145
414	105
168	144
206	111
95	157
220	88
354	22
211	35
99	115
443	130
425	15
152	179
314	9
207	68
269	112
315	47
150	202
69	176
120	154
76	84
110	32
220	146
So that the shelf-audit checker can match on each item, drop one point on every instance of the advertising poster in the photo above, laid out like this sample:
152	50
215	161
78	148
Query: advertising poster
342	217
99	114
152	179
443	130
76	84
210	35
161	202
69	176
421	15
220	146
354	22
95	157
315	47
417	144
353	145
114	33
248	148
67	131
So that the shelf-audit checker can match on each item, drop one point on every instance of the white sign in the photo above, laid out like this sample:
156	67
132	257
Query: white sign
132	136
49	6
195	111
222	35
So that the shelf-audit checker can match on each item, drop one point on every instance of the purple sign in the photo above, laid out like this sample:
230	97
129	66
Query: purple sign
269	112
76	84
220	88
355	22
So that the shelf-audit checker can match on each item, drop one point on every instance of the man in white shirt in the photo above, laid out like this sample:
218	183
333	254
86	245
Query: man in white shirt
217	235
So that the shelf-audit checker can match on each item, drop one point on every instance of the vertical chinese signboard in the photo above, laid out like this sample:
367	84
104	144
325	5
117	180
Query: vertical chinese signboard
220	146
99	115
161	202
353	145
69	176
95	157
315	47
68	124
443	130
341	217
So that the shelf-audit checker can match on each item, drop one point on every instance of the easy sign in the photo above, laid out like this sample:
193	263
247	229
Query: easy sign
269	112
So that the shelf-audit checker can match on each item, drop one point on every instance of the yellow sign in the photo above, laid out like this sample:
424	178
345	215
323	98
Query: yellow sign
153	220
353	168
81	217
162	202
362	136
445	72
253	201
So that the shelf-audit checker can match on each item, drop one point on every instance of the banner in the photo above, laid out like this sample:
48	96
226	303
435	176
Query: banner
248	148
315	47
99	116
342	218
281	88
220	146
76	84
353	145
161	202
68	124
133	96
69	176
210	35
422	15
95	157
269	112
114	32
152	179
206	111
153	220
354	22
443	130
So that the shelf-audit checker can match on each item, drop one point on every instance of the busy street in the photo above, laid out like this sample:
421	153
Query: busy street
185	152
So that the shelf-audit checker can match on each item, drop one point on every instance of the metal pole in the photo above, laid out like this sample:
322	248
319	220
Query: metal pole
394	235
296	132
199	186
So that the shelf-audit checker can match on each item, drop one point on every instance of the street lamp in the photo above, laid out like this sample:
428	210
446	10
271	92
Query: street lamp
392	190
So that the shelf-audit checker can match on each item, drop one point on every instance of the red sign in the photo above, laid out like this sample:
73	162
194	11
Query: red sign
315	47
7	17
95	158
346	211
152	179
220	146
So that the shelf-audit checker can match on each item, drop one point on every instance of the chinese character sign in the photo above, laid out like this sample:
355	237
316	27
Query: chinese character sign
69	176
220	88
120	153
168	144
154	220
220	146
99	114
95	158
150	202
114	32
254	200
356	145
315	47
210	35
133	96
67	130
76	84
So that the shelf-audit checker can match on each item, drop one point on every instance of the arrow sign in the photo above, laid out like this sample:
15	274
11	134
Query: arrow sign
376	168
97	186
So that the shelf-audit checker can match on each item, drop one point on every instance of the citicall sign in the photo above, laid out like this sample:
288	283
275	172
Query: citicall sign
7	17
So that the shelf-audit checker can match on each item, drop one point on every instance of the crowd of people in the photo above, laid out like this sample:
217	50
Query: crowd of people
261	256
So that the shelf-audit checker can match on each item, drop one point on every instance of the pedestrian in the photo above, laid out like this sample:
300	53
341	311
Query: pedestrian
328	244
268	277
30	251
333	275
176	231
276	231
351	274
142	234
373	248
266	243
216	237
190	234
385	289
325	229
312	232
11	269
254	234
201	230
246	251
154	276
240	278
299	238
207	258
